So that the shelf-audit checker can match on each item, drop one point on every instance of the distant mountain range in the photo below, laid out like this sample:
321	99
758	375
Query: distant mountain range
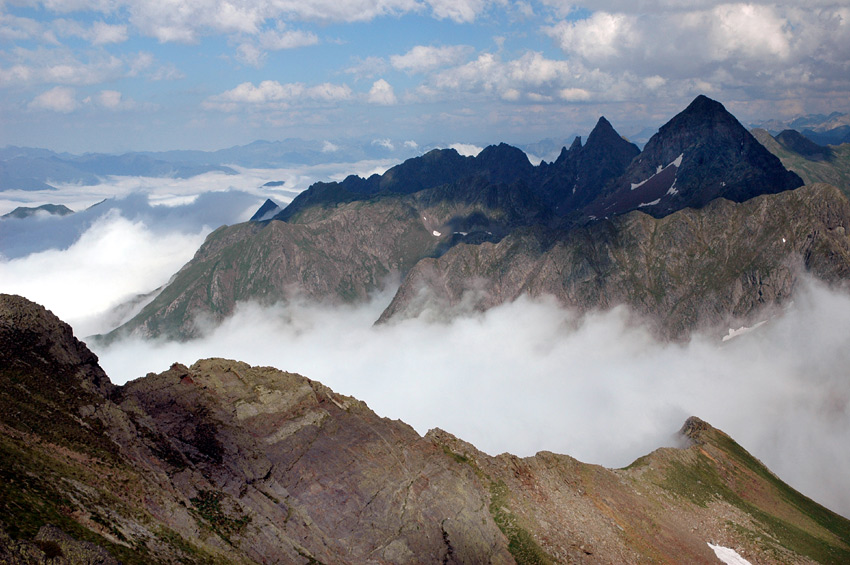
701	229
39	169
23	168
222	462
832	129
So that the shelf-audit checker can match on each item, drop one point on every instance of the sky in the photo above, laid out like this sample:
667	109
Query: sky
120	75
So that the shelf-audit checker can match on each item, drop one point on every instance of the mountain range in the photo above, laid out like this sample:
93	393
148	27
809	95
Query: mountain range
222	462
832	129
701	229
23	168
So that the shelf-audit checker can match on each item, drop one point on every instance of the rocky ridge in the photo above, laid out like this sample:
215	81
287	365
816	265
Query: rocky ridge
343	241
695	269
224	462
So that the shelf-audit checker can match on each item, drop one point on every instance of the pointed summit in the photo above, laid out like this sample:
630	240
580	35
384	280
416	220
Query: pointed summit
701	154
603	132
580	173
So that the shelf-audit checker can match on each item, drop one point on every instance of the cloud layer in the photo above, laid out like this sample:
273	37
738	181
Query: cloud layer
530	376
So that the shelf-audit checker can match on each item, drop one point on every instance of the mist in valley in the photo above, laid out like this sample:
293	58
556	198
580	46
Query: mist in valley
522	377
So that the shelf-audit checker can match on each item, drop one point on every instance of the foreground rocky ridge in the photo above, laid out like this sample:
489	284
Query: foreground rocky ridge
224	462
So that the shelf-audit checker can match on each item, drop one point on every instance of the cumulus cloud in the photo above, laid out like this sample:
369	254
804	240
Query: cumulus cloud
531	77
423	58
466	149
271	93
461	11
57	99
111	262
742	39
382	93
531	376
253	52
60	66
111	100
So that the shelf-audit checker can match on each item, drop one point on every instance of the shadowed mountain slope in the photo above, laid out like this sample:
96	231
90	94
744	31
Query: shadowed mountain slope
726	263
224	462
703	153
342	241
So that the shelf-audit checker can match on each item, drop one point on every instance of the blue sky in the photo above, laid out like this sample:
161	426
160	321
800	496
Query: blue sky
118	75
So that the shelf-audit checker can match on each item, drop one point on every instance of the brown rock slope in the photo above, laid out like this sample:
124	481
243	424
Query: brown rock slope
724	263
222	462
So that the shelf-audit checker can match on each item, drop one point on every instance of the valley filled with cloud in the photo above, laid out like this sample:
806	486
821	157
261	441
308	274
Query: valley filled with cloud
522	377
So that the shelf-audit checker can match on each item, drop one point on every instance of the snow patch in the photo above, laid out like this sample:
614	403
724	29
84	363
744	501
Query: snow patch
728	556
677	162
673	190
641	183
653	203
742	330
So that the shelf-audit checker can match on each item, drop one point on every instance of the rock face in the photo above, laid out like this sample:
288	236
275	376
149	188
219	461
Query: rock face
580	173
224	462
702	154
544	229
692	269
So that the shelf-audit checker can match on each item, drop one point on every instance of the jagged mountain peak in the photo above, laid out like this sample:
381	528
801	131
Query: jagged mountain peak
603	131
701	154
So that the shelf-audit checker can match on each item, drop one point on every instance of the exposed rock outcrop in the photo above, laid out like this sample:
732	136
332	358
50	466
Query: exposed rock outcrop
224	462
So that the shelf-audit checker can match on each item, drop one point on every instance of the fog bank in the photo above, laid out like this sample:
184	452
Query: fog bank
530	376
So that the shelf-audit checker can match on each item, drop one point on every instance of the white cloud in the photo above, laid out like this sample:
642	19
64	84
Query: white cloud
250	54
111	100
532	76
530	376
742	38
57	99
461	11
369	67
60	66
386	143
382	93
466	149
103	33
127	257
423	58
287	39
274	94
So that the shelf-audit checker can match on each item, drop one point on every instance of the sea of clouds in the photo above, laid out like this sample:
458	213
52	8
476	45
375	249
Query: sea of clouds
522	377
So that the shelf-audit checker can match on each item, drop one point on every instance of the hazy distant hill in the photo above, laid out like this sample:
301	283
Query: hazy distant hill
813	162
24	168
222	462
832	129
